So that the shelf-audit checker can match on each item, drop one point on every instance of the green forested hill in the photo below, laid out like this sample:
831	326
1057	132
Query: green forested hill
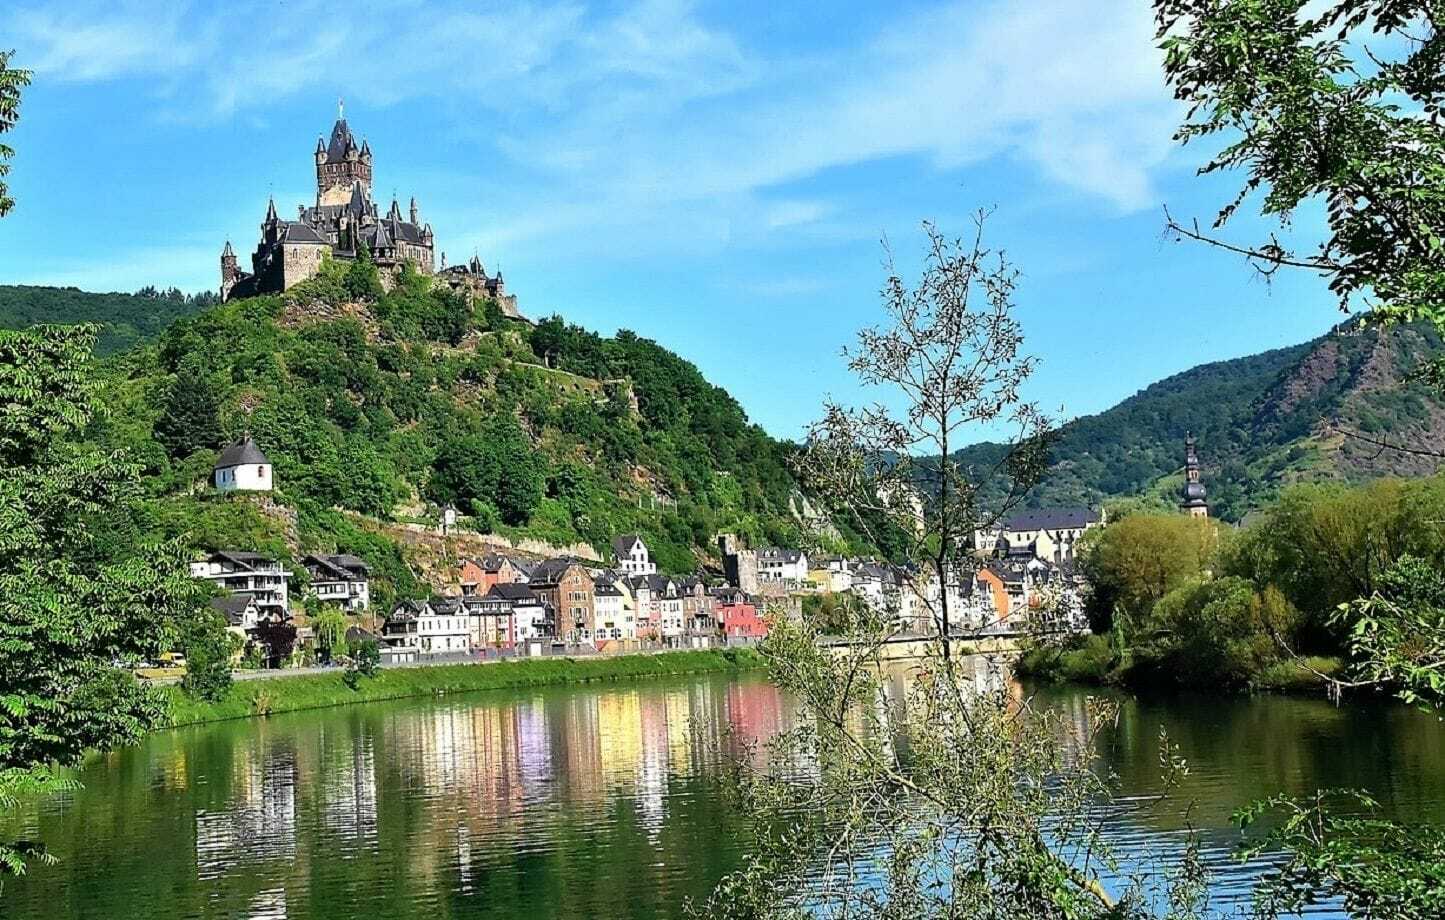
1262	421
124	319
381	407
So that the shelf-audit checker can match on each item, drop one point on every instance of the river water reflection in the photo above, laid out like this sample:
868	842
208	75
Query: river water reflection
579	802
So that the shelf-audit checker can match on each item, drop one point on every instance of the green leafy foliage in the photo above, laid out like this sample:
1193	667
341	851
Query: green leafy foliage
1338	852
329	627
1397	633
12	81
1308	113
494	465
364	662
209	650
76	599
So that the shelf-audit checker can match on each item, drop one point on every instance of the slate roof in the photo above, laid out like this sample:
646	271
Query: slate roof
603	587
343	566
242	557
241	452
549	571
446	606
1052	519
341	141
779	554
233	607
622	545
514	592
302	233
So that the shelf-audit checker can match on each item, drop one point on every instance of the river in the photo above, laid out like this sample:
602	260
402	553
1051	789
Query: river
584	801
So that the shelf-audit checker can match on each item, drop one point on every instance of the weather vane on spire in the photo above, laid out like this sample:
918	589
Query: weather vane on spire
340	108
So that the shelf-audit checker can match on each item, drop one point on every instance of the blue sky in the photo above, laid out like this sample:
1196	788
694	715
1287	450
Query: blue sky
717	176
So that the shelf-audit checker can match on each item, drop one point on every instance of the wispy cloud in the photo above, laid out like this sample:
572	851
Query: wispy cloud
651	112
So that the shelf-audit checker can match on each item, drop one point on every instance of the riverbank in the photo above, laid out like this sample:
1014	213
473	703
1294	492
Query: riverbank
247	699
1092	661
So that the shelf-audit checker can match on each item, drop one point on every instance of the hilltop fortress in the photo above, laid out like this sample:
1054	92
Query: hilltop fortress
344	219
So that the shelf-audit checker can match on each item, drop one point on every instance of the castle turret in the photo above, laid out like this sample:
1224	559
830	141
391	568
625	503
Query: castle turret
340	165
230	271
1191	497
414	219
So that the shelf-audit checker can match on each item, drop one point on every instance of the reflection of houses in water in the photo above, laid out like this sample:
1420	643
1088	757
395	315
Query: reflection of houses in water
260	823
534	746
495	786
348	807
619	728
268	905
582	753
652	773
755	715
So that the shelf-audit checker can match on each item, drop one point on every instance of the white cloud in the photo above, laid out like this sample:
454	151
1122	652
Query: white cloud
649	114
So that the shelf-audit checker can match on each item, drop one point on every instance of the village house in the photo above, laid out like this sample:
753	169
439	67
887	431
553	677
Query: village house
240	572
566	585
340	579
1050	534
241	613
660	608
433	627
242	467
637	593
832	574
698	615
738	615
632	555
615	619
788	566
479	576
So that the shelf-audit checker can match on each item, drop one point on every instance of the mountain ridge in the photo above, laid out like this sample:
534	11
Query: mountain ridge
1263	421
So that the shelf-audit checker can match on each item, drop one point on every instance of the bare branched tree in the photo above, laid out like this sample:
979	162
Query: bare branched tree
951	364
930	788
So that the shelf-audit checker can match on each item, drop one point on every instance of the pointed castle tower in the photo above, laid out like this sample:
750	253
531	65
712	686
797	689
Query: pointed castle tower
230	271
1191	497
341	164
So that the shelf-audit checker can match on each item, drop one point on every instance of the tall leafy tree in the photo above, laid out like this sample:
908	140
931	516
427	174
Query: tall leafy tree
1337	103
72	605
190	418
12	81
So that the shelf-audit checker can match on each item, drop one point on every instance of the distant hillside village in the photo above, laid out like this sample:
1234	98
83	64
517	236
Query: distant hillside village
1022	576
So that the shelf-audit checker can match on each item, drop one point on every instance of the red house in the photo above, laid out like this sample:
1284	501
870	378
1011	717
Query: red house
479	576
739	617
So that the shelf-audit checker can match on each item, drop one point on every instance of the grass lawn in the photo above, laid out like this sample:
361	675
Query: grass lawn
313	691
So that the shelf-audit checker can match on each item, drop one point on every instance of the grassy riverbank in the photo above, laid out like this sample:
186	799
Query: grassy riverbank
314	691
1092	660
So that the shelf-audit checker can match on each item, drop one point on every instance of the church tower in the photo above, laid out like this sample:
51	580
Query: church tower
1191	497
341	164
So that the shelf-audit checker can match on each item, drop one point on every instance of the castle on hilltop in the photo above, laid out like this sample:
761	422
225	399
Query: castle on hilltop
344	219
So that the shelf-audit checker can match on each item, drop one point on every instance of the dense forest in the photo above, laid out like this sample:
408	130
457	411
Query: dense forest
1307	413
123	320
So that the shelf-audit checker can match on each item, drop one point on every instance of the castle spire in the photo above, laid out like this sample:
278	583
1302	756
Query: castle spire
228	252
270	209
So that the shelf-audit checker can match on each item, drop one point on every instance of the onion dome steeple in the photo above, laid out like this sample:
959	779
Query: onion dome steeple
1191	496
